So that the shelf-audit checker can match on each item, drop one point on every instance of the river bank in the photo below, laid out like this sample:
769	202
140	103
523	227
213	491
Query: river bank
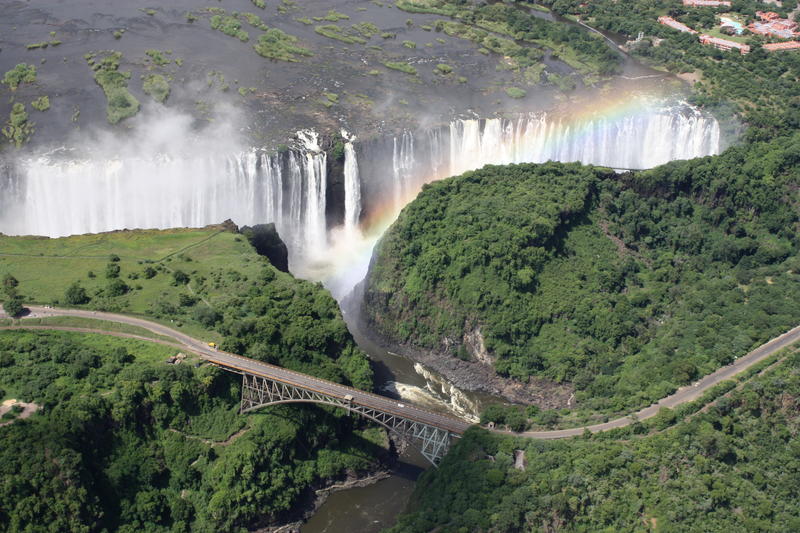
319	496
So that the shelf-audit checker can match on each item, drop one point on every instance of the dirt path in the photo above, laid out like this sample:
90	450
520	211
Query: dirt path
27	410
227	442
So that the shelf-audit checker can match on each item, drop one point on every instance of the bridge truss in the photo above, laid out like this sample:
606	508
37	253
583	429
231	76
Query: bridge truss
258	391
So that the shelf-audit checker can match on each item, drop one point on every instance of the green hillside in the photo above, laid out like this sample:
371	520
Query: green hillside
626	286
732	468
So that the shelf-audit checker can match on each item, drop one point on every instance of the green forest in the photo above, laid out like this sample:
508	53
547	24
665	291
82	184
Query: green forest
625	286
732	468
125	441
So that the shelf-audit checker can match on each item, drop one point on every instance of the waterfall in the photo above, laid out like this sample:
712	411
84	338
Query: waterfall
352	185
403	165
56	195
314	169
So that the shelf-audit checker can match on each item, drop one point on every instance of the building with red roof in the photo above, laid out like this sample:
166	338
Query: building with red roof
724	44
789	45
706	3
773	25
675	25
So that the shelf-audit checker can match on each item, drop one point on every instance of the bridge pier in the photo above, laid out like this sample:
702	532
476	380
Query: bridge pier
259	391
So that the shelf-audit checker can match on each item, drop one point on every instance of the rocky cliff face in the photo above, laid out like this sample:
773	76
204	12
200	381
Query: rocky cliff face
465	362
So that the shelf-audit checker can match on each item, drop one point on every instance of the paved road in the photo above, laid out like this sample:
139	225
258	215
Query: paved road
244	364
684	394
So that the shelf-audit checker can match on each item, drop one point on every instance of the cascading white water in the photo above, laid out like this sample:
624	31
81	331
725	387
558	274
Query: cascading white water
315	171
403	164
54	197
352	185
630	142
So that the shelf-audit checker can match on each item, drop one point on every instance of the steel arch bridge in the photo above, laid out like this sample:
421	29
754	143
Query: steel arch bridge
432	441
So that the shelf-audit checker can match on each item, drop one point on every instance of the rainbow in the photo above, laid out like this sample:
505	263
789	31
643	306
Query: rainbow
629	130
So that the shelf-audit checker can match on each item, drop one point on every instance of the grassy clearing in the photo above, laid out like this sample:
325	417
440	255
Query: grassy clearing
142	351
46	268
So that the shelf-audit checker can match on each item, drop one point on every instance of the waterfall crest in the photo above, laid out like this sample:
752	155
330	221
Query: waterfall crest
56	196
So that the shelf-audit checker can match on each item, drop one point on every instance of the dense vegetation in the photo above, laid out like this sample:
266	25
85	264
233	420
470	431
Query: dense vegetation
731	468
126	442
625	286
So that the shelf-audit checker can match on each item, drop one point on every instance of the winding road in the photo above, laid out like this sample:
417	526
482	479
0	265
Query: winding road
240	364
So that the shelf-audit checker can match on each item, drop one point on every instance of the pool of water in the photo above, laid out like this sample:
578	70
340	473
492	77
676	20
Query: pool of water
735	24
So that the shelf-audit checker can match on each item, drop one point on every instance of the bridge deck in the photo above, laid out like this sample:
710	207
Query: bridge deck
329	388
240	364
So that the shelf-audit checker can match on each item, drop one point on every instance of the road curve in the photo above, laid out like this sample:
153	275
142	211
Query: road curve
238	363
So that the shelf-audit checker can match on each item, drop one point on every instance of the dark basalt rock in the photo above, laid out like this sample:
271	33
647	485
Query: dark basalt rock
267	242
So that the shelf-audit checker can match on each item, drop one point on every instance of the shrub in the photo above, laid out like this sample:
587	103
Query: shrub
121	103
157	57
179	277
76	295
444	69
516	92
332	31
275	44
157	87
22	73
18	130
402	67
9	282
117	287
112	270
229	25
13	306
41	104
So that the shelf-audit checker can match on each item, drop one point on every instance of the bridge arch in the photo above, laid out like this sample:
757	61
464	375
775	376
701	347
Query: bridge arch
433	442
